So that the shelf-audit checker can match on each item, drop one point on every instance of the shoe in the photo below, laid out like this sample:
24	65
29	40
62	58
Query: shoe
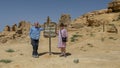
61	55
65	55
35	56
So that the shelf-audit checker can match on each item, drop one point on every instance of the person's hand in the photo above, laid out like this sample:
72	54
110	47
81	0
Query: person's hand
57	32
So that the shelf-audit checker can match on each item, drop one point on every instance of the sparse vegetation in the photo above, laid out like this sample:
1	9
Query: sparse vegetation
6	61
10	50
92	35
75	37
113	38
90	45
72	39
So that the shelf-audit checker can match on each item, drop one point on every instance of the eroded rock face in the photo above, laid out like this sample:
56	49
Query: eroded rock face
66	19
93	22
114	6
5	36
7	28
23	27
14	32
89	19
14	27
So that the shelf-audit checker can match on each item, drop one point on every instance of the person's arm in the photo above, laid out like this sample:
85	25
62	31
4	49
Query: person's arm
30	32
57	32
41	29
66	33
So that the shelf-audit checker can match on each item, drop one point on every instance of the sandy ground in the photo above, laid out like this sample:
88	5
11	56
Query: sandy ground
99	50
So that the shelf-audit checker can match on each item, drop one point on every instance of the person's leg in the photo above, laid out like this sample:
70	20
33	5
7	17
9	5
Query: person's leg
33	46
64	52
61	50
64	49
36	46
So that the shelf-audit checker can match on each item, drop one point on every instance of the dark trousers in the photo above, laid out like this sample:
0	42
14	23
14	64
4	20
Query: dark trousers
35	46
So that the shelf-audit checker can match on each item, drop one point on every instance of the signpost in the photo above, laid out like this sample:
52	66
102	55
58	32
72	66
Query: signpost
50	31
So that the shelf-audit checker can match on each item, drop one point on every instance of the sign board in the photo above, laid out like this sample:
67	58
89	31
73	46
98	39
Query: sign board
50	29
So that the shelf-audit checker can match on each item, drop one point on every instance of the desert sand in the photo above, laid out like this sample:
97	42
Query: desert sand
87	42
92	49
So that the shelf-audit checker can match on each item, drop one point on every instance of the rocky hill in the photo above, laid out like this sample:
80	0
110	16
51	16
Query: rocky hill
15	32
107	19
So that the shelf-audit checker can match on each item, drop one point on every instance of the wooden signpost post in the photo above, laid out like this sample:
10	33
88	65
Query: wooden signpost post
50	31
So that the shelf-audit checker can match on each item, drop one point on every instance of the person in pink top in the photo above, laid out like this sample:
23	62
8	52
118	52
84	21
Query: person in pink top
62	45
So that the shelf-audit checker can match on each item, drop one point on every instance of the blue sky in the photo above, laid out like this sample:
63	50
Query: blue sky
14	11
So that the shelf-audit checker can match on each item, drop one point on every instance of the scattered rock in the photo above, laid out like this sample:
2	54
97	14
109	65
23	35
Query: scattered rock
3	40
114	6
112	28
76	60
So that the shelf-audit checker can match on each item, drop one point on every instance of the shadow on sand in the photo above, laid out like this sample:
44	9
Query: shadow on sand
40	54
54	53
58	53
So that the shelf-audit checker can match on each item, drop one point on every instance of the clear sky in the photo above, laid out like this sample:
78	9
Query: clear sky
14	11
